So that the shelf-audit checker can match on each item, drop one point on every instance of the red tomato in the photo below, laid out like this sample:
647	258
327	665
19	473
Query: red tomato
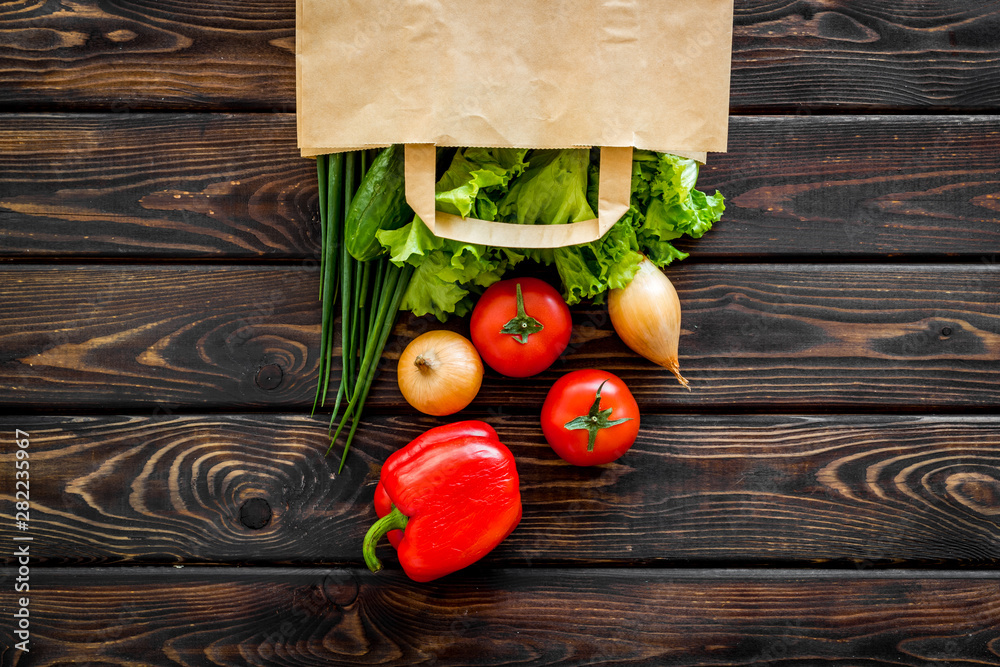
520	341
590	417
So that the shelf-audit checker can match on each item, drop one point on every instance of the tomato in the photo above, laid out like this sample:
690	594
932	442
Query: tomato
590	417
520	326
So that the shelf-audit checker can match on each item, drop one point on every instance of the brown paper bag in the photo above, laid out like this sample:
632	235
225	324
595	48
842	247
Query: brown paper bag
649	74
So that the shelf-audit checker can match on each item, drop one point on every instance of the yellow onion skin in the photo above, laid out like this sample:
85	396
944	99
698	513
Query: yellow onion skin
439	372
646	315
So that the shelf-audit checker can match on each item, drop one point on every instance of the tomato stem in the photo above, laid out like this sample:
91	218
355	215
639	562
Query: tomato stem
595	420
394	520
521	325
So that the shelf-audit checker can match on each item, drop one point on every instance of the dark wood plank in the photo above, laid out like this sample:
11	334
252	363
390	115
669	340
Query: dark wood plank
158	339
755	337
155	185
827	337
194	186
538	617
853	492
875	55
857	187
148	55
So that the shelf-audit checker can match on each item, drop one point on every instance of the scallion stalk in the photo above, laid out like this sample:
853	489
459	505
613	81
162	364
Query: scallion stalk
369	295
396	284
330	176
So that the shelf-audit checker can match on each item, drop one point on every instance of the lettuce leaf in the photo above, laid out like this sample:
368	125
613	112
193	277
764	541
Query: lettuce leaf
666	205
449	272
552	190
549	187
476	176
589	270
555	189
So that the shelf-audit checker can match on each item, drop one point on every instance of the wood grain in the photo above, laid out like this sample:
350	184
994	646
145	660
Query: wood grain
155	186
841	332
754	337
181	186
926	332
503	617
856	187
148	55
787	56
872	55
857	492
157	339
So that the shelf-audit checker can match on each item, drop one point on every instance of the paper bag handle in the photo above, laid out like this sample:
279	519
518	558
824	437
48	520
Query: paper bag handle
614	195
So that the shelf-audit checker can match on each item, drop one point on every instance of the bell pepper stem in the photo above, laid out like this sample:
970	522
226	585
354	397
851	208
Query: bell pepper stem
394	520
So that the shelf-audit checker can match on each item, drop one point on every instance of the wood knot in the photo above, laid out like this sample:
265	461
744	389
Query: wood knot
269	377
340	587
255	513
977	491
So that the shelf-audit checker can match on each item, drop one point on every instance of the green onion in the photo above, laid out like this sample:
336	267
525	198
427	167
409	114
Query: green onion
369	295
330	176
398	279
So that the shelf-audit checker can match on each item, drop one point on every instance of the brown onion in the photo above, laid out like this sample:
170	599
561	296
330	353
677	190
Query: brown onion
646	315
440	372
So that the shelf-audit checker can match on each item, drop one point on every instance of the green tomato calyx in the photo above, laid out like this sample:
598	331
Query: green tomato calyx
521	325
594	420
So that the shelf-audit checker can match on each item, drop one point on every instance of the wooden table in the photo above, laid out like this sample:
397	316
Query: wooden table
828	492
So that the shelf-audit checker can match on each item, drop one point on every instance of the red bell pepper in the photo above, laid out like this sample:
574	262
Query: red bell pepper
445	500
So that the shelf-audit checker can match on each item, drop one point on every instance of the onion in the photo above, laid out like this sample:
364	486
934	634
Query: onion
646	315
440	372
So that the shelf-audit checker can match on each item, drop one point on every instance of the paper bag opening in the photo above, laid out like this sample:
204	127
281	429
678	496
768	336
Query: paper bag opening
614	196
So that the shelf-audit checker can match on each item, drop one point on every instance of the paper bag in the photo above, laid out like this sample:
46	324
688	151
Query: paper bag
649	74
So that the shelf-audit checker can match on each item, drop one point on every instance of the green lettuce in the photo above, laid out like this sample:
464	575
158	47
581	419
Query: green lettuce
666	205
448	273
559	186
551	191
476	178
548	187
